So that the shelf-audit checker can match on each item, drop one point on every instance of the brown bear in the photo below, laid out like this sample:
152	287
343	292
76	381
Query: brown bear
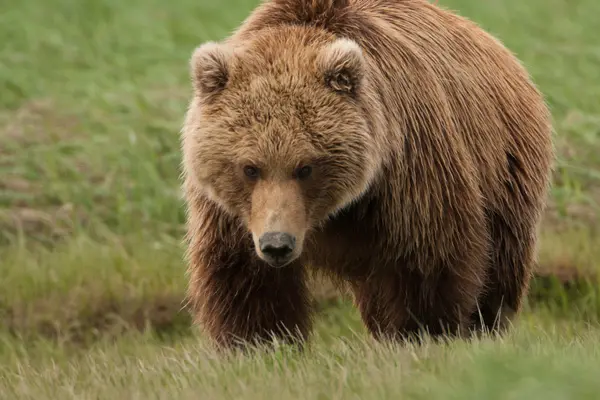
391	144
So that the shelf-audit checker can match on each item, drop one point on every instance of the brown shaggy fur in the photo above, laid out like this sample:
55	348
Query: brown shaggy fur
431	156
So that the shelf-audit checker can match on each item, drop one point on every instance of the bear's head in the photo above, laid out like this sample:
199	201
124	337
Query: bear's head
277	133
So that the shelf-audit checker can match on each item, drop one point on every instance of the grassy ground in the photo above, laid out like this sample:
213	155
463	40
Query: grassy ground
92	98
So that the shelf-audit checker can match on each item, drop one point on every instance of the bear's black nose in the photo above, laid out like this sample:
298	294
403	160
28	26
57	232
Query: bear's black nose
277	246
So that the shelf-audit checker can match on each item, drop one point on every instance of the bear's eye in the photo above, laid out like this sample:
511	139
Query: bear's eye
303	172
251	172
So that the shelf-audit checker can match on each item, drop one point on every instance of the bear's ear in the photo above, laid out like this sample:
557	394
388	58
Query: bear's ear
342	65
210	68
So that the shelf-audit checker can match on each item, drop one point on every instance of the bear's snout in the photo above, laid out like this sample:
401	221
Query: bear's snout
277	247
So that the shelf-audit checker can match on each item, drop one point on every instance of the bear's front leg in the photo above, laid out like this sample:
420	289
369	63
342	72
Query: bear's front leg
236	297
406	303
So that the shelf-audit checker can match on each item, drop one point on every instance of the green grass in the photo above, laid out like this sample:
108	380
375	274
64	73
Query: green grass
92	98
541	360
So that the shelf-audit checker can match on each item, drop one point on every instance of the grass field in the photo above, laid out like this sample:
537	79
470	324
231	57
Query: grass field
92	96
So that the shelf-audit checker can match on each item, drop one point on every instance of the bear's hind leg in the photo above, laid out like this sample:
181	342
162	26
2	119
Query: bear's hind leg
509	276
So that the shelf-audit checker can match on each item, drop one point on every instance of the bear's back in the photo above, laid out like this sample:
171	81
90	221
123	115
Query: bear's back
442	81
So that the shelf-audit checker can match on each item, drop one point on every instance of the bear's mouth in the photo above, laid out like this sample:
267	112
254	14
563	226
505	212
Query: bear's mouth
278	263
